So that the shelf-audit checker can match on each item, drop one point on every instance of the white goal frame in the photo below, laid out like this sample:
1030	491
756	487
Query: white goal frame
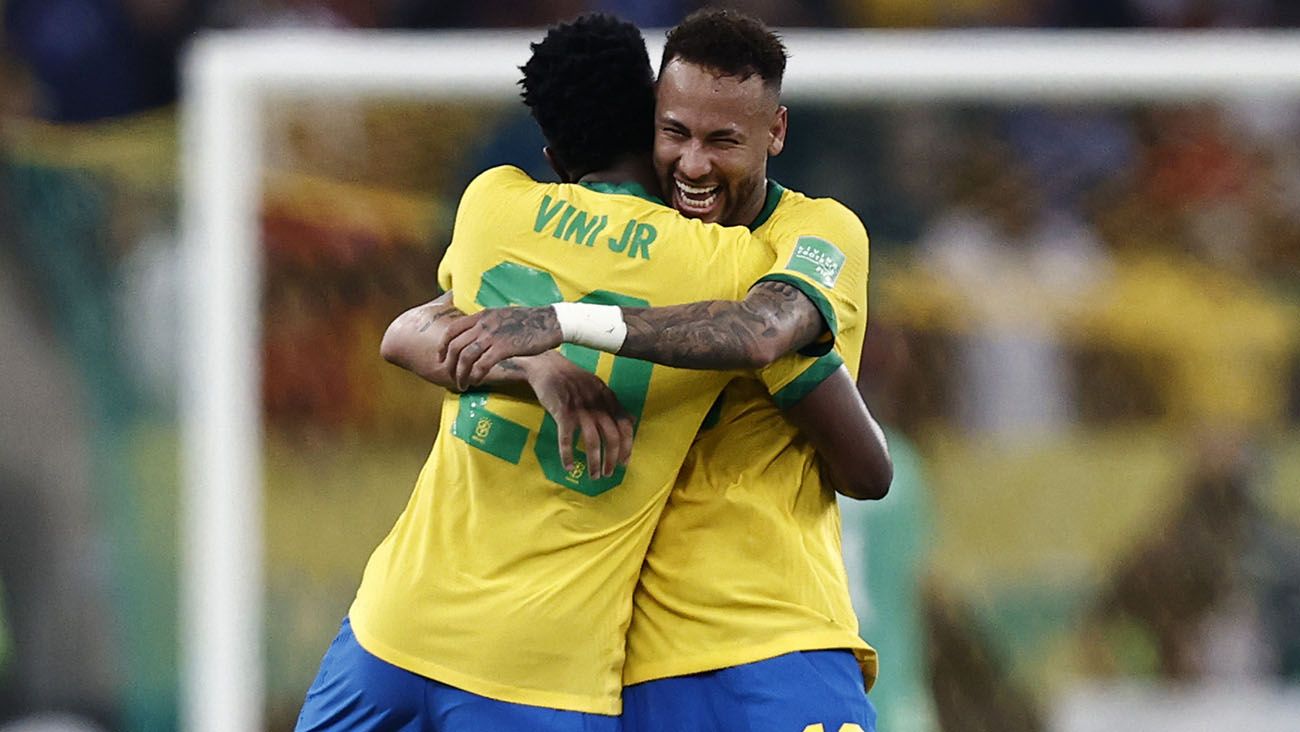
228	77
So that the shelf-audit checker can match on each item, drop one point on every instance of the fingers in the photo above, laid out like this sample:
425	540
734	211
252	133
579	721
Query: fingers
607	437
611	445
577	400
454	328
591	440
462	353
473	352
625	435
564	428
623	425
483	364
455	354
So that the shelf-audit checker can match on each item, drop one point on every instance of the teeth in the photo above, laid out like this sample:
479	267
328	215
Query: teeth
692	190
701	205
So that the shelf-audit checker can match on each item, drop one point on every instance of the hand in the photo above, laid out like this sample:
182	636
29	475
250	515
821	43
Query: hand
432	364
579	400
475	343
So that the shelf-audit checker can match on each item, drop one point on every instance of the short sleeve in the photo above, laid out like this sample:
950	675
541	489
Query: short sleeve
821	249
791	377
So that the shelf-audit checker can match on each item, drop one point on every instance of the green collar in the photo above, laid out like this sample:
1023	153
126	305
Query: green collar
774	191
627	189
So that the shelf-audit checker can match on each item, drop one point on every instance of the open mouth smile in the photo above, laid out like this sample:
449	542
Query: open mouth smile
695	199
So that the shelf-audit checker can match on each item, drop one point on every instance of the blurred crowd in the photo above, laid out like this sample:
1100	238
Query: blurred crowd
1041	275
77	60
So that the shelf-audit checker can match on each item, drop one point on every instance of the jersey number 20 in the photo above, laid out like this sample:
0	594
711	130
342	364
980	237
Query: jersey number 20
507	284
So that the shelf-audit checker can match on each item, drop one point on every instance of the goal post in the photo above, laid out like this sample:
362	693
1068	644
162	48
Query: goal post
229	76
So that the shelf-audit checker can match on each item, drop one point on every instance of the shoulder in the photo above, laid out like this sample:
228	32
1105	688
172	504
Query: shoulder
500	192
497	179
726	248
797	211
816	226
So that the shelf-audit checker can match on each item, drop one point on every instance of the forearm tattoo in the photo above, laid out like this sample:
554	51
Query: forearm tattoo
434	312
510	366
522	329
774	318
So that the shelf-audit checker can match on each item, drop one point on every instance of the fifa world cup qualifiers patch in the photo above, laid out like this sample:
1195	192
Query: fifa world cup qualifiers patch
817	258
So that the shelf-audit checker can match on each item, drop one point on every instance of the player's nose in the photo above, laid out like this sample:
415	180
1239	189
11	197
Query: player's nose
694	163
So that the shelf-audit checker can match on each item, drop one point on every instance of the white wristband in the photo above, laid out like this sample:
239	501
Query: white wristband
596	326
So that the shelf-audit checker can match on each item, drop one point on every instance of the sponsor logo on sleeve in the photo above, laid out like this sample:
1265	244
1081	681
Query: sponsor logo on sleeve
817	258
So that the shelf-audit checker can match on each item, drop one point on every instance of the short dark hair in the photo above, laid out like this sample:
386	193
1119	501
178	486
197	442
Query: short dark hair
730	42
590	87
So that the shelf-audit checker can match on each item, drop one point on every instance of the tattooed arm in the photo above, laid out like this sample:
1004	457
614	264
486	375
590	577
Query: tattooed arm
579	401
774	319
410	344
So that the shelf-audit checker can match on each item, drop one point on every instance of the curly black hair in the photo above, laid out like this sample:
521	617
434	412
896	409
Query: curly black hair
590	87
728	41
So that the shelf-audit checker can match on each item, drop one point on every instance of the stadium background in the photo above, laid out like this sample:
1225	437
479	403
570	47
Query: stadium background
1084	339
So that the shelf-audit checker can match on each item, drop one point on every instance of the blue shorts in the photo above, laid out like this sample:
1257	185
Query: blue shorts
356	691
805	691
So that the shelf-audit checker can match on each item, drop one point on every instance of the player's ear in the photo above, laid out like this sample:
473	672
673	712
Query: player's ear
556	164
776	139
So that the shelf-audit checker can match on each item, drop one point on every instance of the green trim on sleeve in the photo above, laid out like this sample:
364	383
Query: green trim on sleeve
819	301
792	393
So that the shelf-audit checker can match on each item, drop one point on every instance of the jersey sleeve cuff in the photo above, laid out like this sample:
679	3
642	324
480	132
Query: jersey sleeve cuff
791	394
826	341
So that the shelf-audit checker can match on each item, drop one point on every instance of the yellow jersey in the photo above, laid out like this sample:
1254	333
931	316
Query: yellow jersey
746	563
507	576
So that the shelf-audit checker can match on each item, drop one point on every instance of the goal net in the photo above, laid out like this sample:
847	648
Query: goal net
1083	329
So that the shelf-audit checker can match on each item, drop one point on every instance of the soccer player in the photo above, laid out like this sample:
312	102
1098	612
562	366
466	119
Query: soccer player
501	598
742	613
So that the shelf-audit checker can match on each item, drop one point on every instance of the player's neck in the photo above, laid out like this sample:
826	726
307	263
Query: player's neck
626	169
753	207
